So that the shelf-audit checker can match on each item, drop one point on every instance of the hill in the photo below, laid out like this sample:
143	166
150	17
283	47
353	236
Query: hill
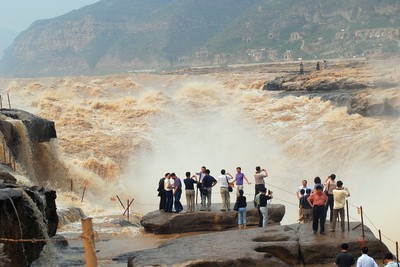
123	35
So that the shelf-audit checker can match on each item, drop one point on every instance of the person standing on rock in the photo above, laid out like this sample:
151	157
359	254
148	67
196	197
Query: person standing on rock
241	204
260	216
344	258
306	210
301	68
161	192
302	193
365	260
224	184
317	181
168	184
207	184
259	177
303	186
189	191
201	175
177	192
330	184
263	205
318	201
239	180
339	200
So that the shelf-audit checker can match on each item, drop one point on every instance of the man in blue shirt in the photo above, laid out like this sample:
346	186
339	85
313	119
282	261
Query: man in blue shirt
207	183
177	193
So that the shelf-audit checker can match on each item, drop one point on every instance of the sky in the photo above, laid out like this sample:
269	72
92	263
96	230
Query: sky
17	15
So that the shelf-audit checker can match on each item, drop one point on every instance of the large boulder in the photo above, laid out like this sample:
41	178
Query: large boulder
314	82
385	104
165	223
39	129
292	245
28	214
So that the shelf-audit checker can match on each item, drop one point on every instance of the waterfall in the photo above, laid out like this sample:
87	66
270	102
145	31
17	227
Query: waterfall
24	161
19	224
48	255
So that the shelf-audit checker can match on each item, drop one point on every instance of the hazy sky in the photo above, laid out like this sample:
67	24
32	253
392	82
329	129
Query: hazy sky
17	15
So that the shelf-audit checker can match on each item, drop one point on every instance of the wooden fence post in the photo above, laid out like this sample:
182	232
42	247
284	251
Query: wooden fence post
88	242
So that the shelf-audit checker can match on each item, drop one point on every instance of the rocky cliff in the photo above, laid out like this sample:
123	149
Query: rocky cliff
28	215
122	35
276	246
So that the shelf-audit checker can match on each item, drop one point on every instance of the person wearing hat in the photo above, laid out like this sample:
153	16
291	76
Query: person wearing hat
330	184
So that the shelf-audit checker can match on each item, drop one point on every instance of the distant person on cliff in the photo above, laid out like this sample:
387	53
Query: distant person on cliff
239	180
189	182
339	200
168	184
259	177
207	184
177	192
330	184
344	258
325	64
201	175
260	216
263	205
365	260
318	67
306	209
318	201
161	192
301	68
224	183
241	205
389	259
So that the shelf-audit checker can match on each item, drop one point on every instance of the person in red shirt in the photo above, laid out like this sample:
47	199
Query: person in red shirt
318	201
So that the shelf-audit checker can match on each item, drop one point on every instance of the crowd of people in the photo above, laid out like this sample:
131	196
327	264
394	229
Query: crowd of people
346	259
314	203
170	191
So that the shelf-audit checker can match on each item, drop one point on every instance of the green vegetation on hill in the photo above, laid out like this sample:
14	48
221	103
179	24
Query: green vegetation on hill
120	35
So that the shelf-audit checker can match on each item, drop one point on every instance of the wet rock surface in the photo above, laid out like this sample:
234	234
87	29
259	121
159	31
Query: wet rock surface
26	214
161	222
276	245
39	129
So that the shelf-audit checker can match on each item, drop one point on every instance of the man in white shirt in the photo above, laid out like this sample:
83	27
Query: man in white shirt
303	186
389	260
223	181
339	200
365	260
168	186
